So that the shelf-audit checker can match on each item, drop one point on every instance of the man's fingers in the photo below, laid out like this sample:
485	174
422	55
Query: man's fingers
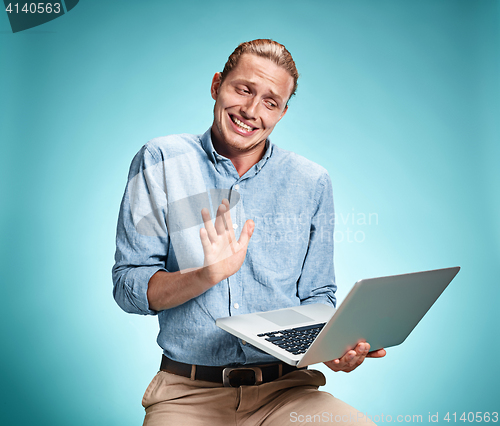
229	221
220	225
362	348
354	358
350	358
377	354
209	226
218	239
205	242
246	233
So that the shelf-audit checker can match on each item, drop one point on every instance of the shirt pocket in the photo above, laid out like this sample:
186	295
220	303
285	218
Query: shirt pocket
276	252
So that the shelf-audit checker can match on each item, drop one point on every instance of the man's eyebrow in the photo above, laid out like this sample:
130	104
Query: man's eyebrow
242	81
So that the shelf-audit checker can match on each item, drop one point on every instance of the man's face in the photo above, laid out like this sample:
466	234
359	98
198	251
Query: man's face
249	103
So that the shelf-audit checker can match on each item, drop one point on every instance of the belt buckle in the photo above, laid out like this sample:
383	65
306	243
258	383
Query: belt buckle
229	379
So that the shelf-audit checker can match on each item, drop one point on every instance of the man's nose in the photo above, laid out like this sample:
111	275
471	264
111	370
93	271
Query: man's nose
249	109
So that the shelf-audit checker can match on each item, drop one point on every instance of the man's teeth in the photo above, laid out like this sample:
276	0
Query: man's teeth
243	125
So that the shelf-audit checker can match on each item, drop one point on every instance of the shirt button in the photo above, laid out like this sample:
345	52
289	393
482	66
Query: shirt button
236	306
235	226
243	342
236	187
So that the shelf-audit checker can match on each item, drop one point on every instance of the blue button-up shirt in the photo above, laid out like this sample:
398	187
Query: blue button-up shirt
289	259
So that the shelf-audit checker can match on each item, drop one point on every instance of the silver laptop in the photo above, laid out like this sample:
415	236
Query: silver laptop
381	311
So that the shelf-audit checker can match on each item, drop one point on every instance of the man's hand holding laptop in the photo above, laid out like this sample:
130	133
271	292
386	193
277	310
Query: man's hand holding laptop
354	358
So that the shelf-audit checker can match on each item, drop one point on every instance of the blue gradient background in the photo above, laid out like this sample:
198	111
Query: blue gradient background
399	100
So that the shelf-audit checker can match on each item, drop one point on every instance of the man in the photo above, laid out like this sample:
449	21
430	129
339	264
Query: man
172	260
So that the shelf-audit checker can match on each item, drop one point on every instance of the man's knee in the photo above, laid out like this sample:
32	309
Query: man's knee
323	408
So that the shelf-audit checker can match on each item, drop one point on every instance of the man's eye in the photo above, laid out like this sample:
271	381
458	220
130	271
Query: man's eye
271	104
242	90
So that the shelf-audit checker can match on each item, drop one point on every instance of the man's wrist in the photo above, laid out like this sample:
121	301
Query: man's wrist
206	279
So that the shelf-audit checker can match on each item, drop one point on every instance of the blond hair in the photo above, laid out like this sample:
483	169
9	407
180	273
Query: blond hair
264	48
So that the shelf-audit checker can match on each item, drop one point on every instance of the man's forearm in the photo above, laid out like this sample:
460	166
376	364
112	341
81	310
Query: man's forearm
169	289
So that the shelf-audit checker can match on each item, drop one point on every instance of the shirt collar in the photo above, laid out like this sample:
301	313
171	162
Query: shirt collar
266	156
208	147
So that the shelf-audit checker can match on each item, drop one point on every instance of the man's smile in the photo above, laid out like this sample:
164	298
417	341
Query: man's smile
241	127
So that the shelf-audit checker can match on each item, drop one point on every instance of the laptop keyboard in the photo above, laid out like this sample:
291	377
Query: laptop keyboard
294	340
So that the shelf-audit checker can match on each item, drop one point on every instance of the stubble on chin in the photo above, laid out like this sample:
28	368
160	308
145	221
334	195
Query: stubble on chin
233	144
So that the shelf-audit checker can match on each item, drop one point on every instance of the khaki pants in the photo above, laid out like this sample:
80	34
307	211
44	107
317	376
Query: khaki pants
293	399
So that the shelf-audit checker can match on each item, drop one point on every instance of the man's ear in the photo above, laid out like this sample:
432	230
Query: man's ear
215	85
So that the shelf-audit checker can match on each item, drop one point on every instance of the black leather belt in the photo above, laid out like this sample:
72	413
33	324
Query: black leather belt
234	376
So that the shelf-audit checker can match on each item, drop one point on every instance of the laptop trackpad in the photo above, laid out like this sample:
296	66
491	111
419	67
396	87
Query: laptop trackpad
285	317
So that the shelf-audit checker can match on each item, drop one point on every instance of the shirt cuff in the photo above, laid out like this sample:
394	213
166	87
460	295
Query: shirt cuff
135	290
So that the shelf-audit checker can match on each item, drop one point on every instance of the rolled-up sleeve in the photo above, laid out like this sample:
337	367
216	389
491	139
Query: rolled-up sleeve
141	238
317	281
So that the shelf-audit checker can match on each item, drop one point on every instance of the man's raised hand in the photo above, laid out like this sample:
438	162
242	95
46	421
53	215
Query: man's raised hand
223	254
